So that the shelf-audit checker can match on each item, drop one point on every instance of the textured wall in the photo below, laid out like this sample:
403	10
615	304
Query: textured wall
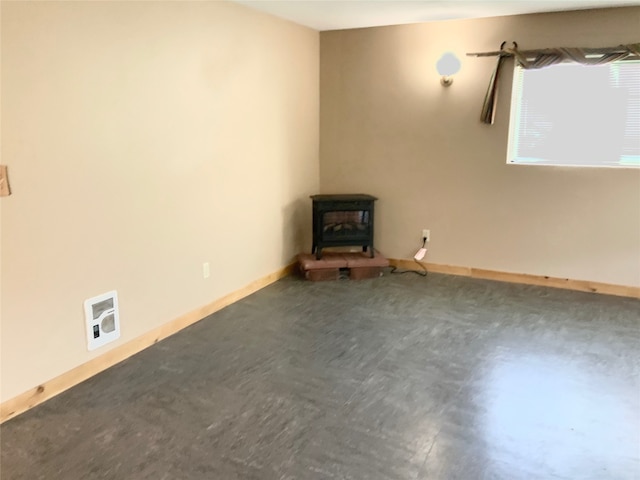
143	139
389	129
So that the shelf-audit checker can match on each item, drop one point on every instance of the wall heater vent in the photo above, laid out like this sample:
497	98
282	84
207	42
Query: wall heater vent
103	319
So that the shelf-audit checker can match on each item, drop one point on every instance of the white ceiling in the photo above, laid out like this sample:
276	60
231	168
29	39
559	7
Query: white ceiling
343	14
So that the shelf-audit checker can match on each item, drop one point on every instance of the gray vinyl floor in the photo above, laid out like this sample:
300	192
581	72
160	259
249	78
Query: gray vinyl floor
394	378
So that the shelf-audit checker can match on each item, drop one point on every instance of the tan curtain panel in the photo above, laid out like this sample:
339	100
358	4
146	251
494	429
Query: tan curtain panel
491	98
531	59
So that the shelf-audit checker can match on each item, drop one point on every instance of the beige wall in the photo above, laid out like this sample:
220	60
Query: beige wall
143	139
389	129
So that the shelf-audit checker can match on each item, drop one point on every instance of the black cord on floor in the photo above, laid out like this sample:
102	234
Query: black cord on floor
422	273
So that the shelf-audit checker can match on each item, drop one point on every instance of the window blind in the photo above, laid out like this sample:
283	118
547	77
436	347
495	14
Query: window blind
571	114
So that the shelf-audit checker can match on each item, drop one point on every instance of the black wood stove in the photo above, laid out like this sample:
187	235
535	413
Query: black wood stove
342	220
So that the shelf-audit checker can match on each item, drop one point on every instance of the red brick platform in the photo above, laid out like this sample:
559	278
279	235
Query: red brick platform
359	264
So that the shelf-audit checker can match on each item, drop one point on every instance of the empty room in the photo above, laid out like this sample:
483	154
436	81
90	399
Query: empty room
388	240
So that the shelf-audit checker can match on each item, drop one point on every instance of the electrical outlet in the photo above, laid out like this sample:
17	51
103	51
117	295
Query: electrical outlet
205	270
426	234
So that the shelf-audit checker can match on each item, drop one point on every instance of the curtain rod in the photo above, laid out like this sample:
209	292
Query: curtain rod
533	59
632	49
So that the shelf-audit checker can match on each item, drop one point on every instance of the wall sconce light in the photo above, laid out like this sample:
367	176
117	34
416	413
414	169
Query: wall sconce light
448	65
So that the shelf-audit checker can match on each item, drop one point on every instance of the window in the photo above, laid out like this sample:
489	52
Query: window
578	115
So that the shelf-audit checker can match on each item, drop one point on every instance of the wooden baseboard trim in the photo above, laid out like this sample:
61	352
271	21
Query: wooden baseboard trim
566	283
29	399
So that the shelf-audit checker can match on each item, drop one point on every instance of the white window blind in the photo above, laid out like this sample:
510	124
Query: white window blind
578	115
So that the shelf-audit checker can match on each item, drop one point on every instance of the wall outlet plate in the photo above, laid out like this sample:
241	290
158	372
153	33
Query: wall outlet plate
206	271
426	233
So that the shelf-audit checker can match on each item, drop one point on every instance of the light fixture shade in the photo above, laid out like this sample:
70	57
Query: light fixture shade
448	64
